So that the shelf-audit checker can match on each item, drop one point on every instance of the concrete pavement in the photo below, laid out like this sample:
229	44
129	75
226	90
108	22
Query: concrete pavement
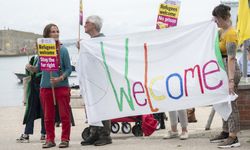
11	127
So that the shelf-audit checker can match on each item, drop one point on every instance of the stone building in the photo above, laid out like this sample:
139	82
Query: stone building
13	42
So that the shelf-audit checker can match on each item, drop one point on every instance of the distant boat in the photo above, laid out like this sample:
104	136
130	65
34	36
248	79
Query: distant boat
74	86
20	76
72	78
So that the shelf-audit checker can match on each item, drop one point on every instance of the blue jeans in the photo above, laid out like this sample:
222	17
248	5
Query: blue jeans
30	127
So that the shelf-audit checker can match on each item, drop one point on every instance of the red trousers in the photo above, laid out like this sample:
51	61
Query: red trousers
62	95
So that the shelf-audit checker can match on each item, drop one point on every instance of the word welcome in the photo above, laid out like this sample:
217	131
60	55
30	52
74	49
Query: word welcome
202	71
47	52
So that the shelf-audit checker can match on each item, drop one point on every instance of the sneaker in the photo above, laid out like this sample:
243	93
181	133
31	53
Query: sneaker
24	138
183	136
171	134
220	138
42	138
64	144
49	144
230	143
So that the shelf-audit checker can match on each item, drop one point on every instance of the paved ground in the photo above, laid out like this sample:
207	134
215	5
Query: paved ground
11	127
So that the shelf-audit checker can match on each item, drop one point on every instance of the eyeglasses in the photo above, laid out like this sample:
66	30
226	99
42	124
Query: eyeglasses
88	22
54	31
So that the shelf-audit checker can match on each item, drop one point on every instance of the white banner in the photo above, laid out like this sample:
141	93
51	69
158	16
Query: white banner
151	72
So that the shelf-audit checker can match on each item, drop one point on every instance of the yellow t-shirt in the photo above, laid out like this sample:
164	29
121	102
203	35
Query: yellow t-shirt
230	36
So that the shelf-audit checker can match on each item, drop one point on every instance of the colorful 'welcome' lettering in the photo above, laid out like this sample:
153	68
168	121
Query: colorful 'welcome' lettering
138	87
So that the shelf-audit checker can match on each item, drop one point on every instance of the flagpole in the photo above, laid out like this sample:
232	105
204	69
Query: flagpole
78	38
79	25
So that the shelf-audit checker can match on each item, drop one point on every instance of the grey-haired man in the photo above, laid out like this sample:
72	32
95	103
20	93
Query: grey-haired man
98	135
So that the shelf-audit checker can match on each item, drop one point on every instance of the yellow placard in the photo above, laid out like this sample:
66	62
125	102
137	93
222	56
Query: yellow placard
169	10
46	49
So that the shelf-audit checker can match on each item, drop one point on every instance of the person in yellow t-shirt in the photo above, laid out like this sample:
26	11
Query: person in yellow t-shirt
228	45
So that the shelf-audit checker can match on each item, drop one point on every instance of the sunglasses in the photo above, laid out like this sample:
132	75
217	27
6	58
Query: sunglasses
54	31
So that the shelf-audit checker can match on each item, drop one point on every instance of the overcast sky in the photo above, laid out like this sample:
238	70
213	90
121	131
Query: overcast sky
120	16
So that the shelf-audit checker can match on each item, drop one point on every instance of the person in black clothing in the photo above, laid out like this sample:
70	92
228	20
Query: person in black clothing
33	106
